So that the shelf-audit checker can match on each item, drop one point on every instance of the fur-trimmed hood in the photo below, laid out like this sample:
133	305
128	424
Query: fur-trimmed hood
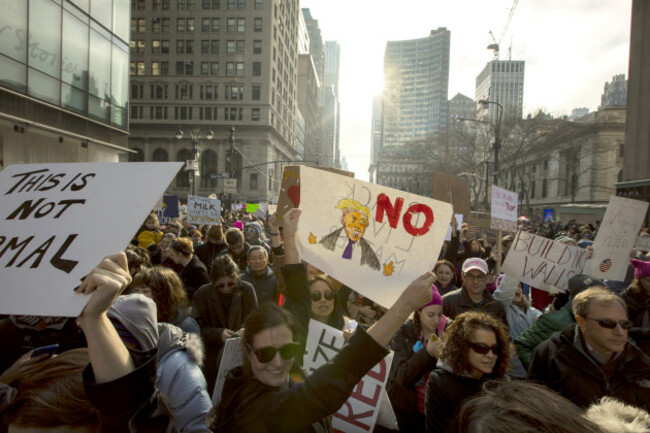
173	338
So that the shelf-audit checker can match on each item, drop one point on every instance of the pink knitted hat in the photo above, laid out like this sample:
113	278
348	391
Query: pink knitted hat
642	269
437	299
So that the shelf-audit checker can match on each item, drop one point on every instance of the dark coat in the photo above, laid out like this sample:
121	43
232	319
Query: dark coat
266	285
368	256
207	252
194	275
446	392
563	366
458	301
241	259
213	317
250	406
638	307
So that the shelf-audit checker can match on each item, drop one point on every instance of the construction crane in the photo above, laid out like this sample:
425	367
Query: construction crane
494	45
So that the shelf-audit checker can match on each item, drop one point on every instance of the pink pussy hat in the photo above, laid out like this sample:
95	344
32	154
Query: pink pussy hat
642	269
437	299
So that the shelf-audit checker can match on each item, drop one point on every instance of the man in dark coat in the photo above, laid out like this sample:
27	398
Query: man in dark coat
237	248
214	245
473	295
260	274
192	272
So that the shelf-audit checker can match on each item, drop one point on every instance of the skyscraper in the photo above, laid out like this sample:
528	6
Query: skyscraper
416	80
501	81
375	137
332	107
615	92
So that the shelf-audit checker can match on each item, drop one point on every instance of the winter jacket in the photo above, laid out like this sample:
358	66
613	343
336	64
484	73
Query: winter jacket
241	259
563	364
213	316
305	406
518	319
546	325
446	392
208	251
265	284
638	307
458	301
407	369
146	238
193	275
180	380
186	322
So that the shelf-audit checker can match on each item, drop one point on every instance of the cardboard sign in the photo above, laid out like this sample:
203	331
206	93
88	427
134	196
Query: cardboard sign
643	243
360	412
452	189
60	220
504	209
368	236
616	237
542	262
459	220
170	209
289	197
273	208
232	357
202	210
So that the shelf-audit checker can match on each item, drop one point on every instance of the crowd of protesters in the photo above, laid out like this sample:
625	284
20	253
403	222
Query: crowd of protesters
474	350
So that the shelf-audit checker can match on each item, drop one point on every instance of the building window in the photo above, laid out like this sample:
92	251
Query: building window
257	25
164	28
164	47
211	4
214	46
189	47
241	4
158	91
621	150
139	68
216	25
205	46
241	25
257	46
214	68
180	68
230	47
253	181
545	164
230	69
255	114
532	190
240	47
257	69
140	49
189	68
142	25
209	169
240	69
232	4
256	93
183	176
155	68
181	25
155	46
158	113
235	92
164	68
231	23
205	24
259	4
160	155
180	47
136	91
190	24
544	186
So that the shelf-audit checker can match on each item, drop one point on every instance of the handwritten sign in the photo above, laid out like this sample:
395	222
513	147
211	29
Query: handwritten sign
542	262
459	220
451	189
60	220
169	209
643	243
202	210
504	209
231	358
360	412
368	236
616	237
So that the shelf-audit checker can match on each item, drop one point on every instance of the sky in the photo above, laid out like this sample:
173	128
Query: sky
571	48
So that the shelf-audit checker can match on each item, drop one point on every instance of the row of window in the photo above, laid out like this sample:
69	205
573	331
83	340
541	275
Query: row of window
233	69
182	5
186	91
187	25
187	113
208	46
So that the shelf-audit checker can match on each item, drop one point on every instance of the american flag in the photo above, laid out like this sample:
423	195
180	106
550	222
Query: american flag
605	265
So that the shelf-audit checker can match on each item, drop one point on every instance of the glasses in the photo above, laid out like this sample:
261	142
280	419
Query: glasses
316	296
266	354
475	277
611	324
222	285
249	229
482	348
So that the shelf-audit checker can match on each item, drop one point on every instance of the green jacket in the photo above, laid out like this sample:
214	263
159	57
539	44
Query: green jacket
546	325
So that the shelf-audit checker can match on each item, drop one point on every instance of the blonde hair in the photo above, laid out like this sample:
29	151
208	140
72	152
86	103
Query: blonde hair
615	417
348	204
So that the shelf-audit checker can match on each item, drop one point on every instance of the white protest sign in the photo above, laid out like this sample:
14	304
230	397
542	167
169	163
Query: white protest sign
504	209
542	262
459	220
231	358
60	220
374	239
616	237
643	243
360	412
203	210
272	209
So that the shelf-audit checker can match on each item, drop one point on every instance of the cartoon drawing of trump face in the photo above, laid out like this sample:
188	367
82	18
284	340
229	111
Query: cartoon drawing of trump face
355	218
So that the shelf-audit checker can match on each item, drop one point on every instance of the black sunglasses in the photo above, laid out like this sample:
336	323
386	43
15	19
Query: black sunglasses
611	324
266	354
482	348
316	296
222	285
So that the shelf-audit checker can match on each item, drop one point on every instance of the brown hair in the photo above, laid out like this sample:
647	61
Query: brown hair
183	246
583	299
450	265
223	266
234	236
167	290
215	233
456	341
53	395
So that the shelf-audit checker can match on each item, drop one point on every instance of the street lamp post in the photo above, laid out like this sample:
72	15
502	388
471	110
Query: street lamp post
497	136
231	171
194	135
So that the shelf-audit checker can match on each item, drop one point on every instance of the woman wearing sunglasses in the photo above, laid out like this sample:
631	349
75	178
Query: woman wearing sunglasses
325	305
475	348
270	393
220	308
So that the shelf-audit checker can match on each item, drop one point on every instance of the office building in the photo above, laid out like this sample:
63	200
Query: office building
63	92
461	107
375	138
615	92
331	104
501	81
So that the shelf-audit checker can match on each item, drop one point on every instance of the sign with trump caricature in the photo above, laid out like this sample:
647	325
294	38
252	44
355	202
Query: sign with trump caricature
372	238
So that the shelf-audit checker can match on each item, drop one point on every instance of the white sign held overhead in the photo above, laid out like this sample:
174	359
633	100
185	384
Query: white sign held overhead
504	209
202	210
60	220
368	236
230	186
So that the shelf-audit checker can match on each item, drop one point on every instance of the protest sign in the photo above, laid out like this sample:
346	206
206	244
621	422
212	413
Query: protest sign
252	207
643	243
542	262
548	215
459	220
360	412
202	210
273	208
289	197
60	220
368	236
451	189
231	358
616	237
170	209
504	209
